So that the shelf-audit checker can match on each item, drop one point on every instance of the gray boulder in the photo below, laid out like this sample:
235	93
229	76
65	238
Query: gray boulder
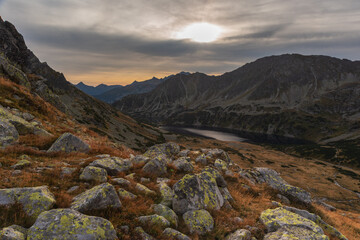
168	149
155	166
126	194
273	179
69	143
142	235
294	232
154	221
68	224
183	165
8	133
34	200
113	165
99	197
167	213
202	159
140	160
167	194
173	234
95	174
240	234
121	181
144	190
13	232
200	191
198	221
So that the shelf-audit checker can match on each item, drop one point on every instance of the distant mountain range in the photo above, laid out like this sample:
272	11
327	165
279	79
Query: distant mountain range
314	98
99	89
114	93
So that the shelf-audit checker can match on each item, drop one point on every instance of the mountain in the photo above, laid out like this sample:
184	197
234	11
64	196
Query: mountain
116	94
93	91
313	98
20	65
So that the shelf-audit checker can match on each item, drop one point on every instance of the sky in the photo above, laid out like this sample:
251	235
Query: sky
118	41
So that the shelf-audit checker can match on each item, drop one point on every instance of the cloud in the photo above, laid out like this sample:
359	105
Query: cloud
109	39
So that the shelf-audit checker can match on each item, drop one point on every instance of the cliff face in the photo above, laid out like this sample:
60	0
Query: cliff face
20	65
307	97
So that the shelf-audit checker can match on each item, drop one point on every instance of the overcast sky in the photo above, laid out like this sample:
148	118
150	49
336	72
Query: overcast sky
118	41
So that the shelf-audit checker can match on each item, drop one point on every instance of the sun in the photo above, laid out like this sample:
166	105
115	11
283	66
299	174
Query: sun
200	32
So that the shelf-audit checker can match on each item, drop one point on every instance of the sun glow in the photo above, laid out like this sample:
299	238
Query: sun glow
200	32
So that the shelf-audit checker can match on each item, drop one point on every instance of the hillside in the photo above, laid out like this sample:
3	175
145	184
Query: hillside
313	98
20	65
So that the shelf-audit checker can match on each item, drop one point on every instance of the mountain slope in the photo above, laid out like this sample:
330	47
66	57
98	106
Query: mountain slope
20	65
99	89
313	98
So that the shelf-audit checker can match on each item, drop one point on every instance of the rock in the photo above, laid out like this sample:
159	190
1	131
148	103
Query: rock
168	149
154	221
183	165
34	200
238	220
95	174
294	232
173	234
144	180
21	164
221	165
218	153
67	171
202	159
125	229
200	191
167	213
103	156
230	174
130	176
144	190
280	218
316	219
121	181
326	206
28	117
198	221
99	197
273	179
140	160
283	199
8	133
70	224
125	194
167	194
113	165
13	233
241	234
155	167
142	235
69	143
72	189
184	153
16	173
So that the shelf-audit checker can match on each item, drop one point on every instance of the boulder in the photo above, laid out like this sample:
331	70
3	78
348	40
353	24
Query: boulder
183	165
113	165
200	191
155	167
69	143
8	133
13	233
154	221
99	197
168	149
281	220
173	234
140	160
95	174
273	179
144	190
68	224
21	164
240	234
34	200
142	235
198	221
121	181
202	159
220	164
167	194
167	213
218	153
184	153
125	194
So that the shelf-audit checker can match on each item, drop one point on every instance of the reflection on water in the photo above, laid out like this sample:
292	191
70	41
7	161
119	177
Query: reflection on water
222	136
